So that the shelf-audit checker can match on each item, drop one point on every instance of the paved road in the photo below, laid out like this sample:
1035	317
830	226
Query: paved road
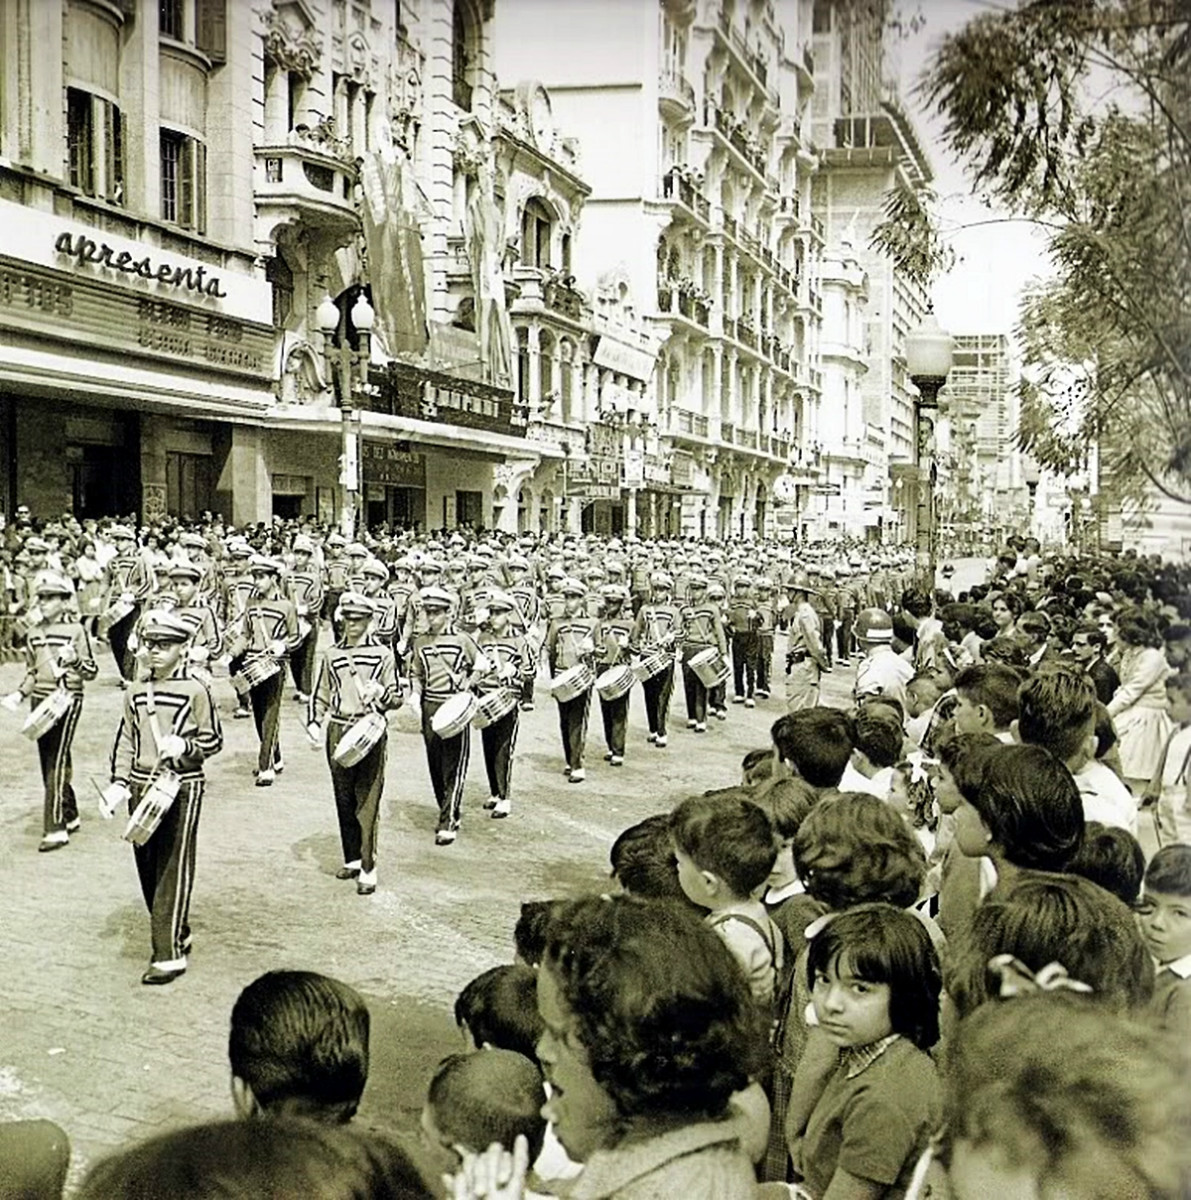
110	1060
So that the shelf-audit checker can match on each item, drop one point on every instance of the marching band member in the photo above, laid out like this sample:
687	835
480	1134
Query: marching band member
357	555
441	664
416	621
356	676
304	586
129	583
401	589
271	632
373	577
335	569
717	697
506	651
766	628
657	630
525	618
570	640
189	606
613	633
168	719
236	593
57	655
744	621
701	628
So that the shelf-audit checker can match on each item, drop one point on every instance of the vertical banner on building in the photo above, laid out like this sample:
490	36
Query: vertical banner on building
394	243
485	246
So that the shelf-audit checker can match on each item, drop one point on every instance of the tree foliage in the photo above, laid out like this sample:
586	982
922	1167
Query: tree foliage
1077	114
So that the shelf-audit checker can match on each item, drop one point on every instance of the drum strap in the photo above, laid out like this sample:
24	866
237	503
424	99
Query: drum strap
151	713
357	682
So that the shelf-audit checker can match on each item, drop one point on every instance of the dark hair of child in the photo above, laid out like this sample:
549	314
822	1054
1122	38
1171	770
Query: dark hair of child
1031	806
1037	1082
787	802
879	943
488	1096
1009	649
757	765
1035	625
963	755
904	629
642	859
299	1040
1092	633
994	685
1137	629
529	932
854	848
246	1160
816	742
878	735
878	700
1169	871
1042	918
731	838
1112	858
1057	708
500	1008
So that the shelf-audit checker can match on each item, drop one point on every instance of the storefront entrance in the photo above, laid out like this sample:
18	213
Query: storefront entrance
95	481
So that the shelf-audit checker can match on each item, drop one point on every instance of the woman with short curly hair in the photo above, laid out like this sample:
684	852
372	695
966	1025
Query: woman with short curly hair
1139	707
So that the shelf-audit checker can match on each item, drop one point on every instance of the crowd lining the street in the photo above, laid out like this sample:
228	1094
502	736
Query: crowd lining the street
937	944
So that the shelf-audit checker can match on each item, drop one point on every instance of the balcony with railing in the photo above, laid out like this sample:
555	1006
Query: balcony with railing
749	58
308	181
677	187
681	297
748	438
730	226
730	327
676	96
684	423
727	432
746	334
736	135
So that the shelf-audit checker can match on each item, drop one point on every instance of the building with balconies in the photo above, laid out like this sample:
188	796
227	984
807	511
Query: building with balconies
868	143
691	118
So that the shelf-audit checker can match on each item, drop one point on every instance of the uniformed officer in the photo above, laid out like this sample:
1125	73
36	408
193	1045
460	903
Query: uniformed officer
356	676
57	655
570	641
805	659
881	671
509	662
441	666
169	721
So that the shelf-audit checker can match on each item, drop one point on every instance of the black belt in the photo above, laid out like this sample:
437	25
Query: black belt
797	656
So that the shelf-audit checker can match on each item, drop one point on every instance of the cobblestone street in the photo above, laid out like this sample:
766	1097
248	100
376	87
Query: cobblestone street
109	1060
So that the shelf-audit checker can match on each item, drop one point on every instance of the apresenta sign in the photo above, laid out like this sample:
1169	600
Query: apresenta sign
86	251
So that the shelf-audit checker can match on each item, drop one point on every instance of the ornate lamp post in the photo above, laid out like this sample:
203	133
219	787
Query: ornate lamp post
928	361
350	369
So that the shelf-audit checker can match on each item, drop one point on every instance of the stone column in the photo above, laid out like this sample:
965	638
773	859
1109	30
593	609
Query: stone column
534	349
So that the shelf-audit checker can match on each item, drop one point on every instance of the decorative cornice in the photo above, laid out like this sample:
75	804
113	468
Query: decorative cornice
289	50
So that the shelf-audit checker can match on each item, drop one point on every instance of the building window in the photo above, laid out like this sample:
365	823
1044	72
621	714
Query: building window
188	480
183	181
522	367
169	19
535	235
469	509
461	55
80	140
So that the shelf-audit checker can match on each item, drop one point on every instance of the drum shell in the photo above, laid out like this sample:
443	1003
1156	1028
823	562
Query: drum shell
572	682
615	682
359	740
710	666
255	672
454	715
651	664
156	800
47	714
115	614
492	707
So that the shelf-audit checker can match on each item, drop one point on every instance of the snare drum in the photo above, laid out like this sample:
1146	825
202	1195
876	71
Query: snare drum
115	614
571	683
454	715
710	666
492	706
47	714
255	672
653	663
358	741
614	683
156	800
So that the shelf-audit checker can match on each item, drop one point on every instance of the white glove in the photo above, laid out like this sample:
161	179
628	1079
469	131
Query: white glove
314	732
134	642
586	646
67	655
114	796
277	648
370	691
302	610
12	701
172	746
508	671
126	597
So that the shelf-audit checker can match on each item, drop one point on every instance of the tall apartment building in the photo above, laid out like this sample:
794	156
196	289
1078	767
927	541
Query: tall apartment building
692	117
868	143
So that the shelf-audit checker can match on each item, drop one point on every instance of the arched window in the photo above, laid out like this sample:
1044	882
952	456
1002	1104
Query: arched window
545	366
566	382
523	366
536	232
462	53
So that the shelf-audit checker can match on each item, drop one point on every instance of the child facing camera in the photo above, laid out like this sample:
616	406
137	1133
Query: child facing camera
874	978
1164	916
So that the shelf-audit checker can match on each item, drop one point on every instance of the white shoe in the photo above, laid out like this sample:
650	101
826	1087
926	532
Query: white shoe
492	802
700	727
445	837
617	760
578	775
653	737
660	741
265	779
566	772
750	703
692	724
502	808
737	699
762	695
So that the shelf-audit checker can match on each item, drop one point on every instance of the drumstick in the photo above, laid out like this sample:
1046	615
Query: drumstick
104	811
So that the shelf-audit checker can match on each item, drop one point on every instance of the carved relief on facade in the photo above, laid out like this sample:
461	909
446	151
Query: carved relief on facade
291	41
470	150
405	94
301	376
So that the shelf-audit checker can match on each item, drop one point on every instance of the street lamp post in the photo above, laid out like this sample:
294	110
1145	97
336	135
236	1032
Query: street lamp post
350	368
928	361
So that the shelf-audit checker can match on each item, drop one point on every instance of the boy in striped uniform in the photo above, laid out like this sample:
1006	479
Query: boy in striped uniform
356	676
129	582
271	628
701	628
304	586
506	652
57	654
441	666
169	721
525	619
570	641
189	606
657	630
236	592
612	649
